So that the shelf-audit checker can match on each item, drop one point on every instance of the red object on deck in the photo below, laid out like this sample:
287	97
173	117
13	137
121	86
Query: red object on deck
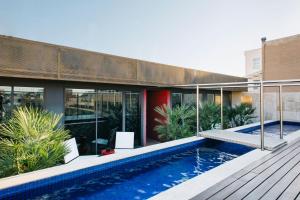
105	152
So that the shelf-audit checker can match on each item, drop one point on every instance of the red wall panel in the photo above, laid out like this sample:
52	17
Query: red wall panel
155	98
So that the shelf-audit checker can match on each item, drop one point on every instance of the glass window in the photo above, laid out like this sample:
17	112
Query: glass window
80	118
29	96
79	104
246	99
5	102
218	99
93	117
189	99
133	116
256	63
176	99
109	116
226	99
210	98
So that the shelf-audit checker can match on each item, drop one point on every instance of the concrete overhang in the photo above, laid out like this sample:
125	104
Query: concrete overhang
21	58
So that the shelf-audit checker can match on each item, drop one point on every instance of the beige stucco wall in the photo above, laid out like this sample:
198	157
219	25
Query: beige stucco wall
291	104
281	61
250	66
281	58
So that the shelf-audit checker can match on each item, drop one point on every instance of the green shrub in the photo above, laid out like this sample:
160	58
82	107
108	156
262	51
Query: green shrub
175	123
239	115
209	116
30	140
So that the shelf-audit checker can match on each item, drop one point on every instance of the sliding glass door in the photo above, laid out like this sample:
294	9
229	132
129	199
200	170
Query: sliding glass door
133	116
109	117
94	116
80	118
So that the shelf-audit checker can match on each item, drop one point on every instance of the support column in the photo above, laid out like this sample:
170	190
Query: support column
262	145
197	107
281	111
222	121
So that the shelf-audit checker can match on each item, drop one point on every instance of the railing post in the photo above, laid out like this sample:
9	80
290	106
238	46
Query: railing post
222	121
96	115
197	107
281	111
262	116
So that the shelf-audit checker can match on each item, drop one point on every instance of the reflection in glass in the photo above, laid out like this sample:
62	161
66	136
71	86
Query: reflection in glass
133	119
29	96
80	118
94	117
176	99
190	99
109	106
210	98
5	102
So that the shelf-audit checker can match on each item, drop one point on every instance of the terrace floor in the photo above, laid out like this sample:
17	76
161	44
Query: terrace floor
271	143
275	176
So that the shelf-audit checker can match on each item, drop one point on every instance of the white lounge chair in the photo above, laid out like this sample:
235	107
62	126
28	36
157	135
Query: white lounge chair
73	150
124	141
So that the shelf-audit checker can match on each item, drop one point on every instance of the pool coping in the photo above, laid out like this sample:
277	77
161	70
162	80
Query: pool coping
89	161
195	186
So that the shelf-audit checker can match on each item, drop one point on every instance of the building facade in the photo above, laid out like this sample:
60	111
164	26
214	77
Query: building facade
279	60
98	94
253	64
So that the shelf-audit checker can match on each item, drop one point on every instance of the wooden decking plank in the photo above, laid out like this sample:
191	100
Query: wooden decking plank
268	183
264	166
292	191
277	155
214	189
281	185
251	185
227	191
271	158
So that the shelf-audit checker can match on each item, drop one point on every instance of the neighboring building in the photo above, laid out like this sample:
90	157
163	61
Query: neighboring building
281	59
98	94
253	64
277	60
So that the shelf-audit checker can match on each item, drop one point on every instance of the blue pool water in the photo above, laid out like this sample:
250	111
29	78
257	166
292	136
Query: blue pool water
273	129
143	177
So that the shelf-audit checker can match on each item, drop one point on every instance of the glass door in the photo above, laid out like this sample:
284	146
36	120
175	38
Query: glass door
80	118
133	116
109	117
94	116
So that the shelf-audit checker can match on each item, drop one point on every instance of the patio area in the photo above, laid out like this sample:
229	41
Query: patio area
275	176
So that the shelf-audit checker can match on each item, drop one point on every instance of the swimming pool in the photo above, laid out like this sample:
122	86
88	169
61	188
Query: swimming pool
273	128
138	177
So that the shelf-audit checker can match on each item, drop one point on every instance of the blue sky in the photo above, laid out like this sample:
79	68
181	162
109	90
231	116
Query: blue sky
206	34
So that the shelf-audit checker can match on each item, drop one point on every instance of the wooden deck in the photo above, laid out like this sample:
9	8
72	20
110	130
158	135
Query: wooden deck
276	176
271	143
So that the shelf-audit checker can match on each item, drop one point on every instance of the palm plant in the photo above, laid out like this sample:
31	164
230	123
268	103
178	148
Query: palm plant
209	116
238	115
243	114
30	140
174	123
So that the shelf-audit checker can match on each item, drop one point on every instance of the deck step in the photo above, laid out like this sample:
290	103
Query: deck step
271	143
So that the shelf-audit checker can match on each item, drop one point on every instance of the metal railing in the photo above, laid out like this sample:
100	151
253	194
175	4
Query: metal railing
257	84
